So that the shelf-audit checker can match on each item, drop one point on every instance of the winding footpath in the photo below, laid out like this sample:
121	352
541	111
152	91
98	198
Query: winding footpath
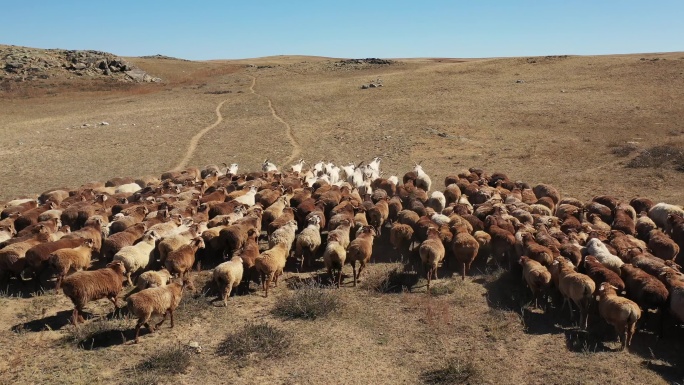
296	148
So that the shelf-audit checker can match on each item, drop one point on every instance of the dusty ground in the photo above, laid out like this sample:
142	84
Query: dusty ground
559	125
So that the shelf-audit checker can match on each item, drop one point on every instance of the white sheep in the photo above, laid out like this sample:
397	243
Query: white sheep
228	275
297	167
267	166
437	201
128	188
308	241
596	248
285	235
232	169
422	179
349	171
249	198
659	212
138	256
394	179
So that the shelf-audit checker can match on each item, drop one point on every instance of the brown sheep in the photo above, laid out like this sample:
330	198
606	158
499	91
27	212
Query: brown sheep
63	261
535	251
601	274
361	249
155	301
38	256
622	221
270	265
116	242
573	286
431	254
85	286
536	275
545	190
464	247
401	238
180	261
249	254
619	312
646	290
378	214
662	246
641	204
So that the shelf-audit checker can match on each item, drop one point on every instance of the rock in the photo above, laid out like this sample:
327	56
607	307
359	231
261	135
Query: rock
520	81
78	66
136	74
364	86
194	346
104	124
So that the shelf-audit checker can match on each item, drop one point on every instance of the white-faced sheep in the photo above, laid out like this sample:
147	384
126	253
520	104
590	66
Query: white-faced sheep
267	166
180	261
138	256
361	249
227	276
155	301
308	242
248	198
85	286
63	261
619	312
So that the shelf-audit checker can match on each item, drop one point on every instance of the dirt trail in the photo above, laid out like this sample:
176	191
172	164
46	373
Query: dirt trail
296	148
195	139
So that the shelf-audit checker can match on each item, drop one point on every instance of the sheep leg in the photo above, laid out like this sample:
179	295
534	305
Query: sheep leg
157	326
622	337
631	329
354	271
339	278
137	330
171	313
226	294
75	316
361	267
59	283
113	299
463	271
128	278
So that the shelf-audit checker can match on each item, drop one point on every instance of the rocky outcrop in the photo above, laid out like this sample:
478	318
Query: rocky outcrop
26	64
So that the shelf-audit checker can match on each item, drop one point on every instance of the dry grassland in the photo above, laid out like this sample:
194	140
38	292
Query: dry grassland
575	122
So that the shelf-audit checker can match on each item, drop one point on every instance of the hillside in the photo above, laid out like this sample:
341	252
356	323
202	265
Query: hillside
588	125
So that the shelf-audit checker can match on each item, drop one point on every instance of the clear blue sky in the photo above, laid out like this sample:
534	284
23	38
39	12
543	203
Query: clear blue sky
231	29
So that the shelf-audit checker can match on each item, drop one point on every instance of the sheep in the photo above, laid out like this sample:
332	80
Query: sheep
644	225
248	199
228	275
623	221
377	215
662	246
249	253
270	265
174	242
431	253
38	256
180	261
574	286
297	167
308	242
659	213
153	278
645	289
619	312
334	257
422	180
155	301
599	250
12	257
361	249
64	260
535	251
675	285
85	286
7	231
138	256
601	274
465	248
401	238
651	264
227	219
115	242
267	166
284	235
536	275
273	211
545	190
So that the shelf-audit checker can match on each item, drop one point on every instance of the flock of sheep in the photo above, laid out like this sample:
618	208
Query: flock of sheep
154	229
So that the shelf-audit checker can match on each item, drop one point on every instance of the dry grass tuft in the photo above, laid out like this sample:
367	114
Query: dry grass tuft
99	333
622	149
310	301
453	372
256	341
659	156
156	369
392	278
